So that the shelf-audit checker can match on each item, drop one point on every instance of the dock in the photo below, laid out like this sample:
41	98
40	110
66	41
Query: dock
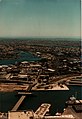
60	117
43	109
76	82
18	103
22	97
24	93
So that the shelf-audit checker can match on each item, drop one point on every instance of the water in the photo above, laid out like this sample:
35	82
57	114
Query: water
57	99
24	56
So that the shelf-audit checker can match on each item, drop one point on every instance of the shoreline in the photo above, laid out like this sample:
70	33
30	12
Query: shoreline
15	87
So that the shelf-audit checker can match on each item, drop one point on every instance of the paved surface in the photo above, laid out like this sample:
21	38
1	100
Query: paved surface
20	115
41	111
18	103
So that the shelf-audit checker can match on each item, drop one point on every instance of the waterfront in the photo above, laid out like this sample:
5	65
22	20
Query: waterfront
56	98
23	56
40	59
57	64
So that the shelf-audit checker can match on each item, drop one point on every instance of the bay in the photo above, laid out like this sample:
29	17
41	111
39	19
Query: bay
23	56
57	99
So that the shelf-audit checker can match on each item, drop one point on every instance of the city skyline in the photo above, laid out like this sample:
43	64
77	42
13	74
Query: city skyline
40	18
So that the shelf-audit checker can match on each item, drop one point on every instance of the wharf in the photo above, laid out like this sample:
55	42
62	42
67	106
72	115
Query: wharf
71	84
60	117
18	103
20	114
41	114
75	81
50	87
12	87
22	97
24	93
43	109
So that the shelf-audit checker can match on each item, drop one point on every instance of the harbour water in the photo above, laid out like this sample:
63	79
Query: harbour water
56	98
23	56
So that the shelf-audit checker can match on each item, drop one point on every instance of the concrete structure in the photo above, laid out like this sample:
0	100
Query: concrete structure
40	113
43	109
24	93
18	103
22	98
31	115
20	115
60	117
50	87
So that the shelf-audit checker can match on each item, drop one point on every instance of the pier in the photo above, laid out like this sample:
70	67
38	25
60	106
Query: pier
43	109
24	93
76	81
22	97
18	103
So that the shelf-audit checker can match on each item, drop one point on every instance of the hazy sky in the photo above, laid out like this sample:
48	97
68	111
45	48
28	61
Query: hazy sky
41	18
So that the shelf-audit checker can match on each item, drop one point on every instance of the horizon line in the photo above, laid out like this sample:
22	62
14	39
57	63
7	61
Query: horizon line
25	37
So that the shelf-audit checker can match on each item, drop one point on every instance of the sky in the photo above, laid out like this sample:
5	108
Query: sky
40	18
